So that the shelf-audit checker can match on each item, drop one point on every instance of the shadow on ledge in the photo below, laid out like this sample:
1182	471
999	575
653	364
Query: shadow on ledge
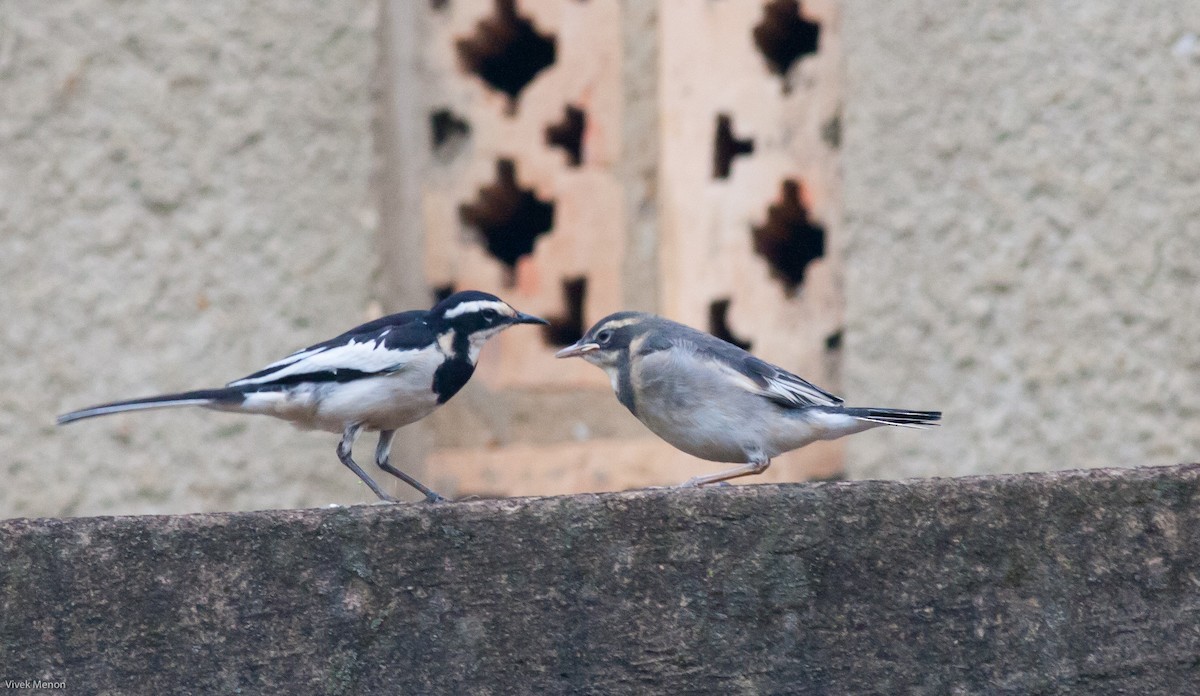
1072	582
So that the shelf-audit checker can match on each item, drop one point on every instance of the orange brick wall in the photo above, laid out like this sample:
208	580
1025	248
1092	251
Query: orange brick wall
691	140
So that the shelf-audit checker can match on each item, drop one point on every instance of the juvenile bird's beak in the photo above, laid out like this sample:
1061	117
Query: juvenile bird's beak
576	349
523	318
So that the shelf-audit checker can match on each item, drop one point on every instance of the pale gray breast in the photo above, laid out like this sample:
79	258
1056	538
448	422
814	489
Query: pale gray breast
699	407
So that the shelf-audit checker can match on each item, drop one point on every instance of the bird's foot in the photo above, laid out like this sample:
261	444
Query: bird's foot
432	497
699	481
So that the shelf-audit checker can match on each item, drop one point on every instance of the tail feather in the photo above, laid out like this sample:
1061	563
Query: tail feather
897	416
200	397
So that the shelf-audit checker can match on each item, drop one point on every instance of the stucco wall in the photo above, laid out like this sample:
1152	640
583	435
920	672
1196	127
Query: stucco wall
184	196
1023	209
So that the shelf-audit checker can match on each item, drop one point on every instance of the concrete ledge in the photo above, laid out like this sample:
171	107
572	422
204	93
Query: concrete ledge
1073	582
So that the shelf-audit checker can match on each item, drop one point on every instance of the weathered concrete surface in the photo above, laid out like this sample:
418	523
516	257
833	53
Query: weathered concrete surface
1074	582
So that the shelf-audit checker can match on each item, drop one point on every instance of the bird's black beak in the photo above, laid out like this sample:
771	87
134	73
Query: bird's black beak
523	318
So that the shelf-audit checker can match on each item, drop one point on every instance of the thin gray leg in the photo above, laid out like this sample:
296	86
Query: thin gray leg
343	451
744	470
383	450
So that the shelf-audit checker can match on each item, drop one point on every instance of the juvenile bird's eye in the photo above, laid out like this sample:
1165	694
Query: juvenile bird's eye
489	314
604	336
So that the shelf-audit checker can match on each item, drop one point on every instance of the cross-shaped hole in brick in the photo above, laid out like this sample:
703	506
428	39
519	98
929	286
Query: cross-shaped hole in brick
441	292
566	328
568	134
784	36
718	324
506	51
790	239
509	218
447	131
726	147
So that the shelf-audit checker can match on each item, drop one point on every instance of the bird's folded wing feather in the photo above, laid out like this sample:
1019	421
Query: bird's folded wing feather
367	350
763	378
783	387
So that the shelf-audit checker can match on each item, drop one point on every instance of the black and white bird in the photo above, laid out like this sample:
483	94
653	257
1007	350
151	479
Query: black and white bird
379	376
714	400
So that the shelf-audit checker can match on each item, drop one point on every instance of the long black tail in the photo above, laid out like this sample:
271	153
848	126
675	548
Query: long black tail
897	416
200	397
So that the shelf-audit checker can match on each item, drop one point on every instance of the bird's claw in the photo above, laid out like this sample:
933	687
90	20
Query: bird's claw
699	483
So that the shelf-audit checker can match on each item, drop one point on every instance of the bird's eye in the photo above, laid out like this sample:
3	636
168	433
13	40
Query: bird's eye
489	314
604	336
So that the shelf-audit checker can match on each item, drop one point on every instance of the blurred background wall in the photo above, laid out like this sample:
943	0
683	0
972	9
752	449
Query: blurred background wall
1023	209
184	196
988	208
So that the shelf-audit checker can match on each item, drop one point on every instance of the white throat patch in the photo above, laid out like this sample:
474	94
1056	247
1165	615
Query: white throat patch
477	340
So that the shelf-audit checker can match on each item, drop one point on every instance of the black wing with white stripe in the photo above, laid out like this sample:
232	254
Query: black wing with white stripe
382	346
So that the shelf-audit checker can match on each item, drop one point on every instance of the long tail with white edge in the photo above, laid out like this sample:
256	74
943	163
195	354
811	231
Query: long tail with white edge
226	397
897	416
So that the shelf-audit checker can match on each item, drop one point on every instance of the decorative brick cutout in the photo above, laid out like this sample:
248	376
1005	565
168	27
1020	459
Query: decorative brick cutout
718	324
784	36
566	328
642	218
509	218
833	342
790	239
568	134
441	292
447	131
726	147
506	51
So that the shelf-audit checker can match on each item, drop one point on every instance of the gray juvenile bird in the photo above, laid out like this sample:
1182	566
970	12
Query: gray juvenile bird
380	376
714	400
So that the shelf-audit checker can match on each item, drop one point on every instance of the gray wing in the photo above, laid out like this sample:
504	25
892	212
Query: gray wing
785	388
765	379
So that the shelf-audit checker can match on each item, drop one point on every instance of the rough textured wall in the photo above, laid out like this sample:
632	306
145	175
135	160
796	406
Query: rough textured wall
184	196
1064	583
1023	207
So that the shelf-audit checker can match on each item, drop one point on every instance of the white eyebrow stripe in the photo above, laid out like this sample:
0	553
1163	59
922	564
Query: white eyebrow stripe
478	306
620	323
